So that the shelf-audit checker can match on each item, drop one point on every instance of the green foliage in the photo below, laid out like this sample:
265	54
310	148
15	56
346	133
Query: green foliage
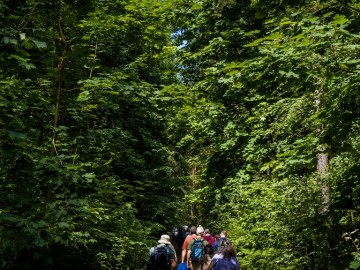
260	67
87	173
121	119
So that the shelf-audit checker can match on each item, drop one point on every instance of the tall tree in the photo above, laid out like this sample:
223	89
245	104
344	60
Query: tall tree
86	169
254	71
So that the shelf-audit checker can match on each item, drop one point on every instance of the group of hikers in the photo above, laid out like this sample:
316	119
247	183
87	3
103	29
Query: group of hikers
197	249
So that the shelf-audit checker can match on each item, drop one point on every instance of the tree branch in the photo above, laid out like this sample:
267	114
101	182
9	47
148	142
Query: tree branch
60	80
347	5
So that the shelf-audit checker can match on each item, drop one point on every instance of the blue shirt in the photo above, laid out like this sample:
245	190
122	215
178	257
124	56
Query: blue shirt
217	257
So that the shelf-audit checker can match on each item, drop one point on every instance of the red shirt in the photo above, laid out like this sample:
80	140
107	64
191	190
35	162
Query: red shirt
209	238
187	241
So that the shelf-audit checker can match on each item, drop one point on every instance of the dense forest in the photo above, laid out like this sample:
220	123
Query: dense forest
121	119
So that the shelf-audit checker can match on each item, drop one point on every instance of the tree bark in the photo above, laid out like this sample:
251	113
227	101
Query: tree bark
322	158
194	184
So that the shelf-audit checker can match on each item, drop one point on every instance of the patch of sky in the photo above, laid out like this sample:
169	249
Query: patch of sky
177	37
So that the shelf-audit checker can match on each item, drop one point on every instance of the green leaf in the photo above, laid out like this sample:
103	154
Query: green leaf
39	242
339	19
9	40
89	177
289	74
18	135
84	96
39	44
355	265
63	224
27	66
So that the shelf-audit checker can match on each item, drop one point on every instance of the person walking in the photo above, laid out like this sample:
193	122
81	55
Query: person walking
205	260
196	249
185	245
166	237
181	238
226	260
221	241
208	237
162	256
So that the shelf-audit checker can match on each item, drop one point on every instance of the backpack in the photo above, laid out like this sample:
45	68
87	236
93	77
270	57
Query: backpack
159	260
222	244
197	249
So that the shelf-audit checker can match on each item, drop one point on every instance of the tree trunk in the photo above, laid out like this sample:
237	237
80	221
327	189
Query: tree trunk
322	158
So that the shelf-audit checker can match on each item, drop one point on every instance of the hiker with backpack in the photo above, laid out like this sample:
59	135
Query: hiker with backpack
167	238
223	245
185	245
221	240
226	260
162	256
196	249
208	237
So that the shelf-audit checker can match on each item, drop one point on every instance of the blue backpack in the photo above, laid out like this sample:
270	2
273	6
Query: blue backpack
197	249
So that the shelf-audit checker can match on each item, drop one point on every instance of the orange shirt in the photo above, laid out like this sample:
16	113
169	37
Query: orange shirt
188	240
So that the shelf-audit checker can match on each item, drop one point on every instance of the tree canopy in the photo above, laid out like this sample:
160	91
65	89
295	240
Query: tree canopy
121	119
